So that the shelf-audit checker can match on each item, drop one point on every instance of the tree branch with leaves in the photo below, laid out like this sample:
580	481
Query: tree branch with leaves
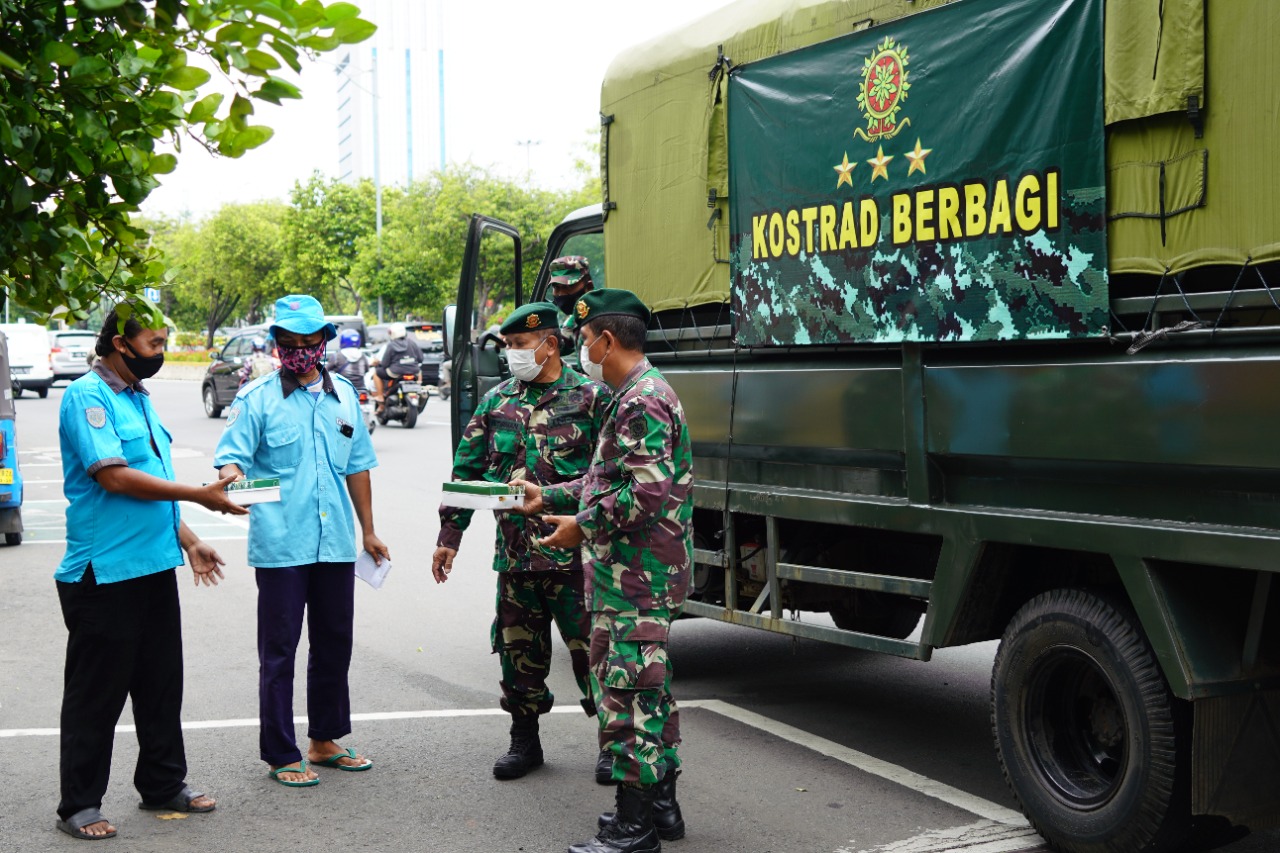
90	90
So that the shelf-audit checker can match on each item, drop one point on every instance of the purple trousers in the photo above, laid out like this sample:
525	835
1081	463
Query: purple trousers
326	592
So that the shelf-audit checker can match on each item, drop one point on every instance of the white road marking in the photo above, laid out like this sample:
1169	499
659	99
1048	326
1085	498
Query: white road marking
982	837
1001	832
370	717
866	763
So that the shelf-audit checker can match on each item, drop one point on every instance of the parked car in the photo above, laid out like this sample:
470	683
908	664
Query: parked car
70	352
222	379
30	357
10	476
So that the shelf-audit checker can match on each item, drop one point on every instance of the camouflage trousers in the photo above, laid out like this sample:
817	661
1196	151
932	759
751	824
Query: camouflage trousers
631	679
528	602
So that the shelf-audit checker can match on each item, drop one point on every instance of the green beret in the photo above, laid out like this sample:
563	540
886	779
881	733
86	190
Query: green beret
607	303
533	317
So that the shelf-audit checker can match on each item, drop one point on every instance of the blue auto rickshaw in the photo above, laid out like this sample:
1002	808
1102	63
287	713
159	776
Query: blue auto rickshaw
10	479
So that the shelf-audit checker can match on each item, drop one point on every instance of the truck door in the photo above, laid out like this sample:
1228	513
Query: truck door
490	276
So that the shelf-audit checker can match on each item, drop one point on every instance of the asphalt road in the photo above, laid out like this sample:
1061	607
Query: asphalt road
791	746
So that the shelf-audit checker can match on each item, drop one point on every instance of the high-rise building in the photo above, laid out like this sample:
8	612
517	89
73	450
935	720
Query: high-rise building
388	106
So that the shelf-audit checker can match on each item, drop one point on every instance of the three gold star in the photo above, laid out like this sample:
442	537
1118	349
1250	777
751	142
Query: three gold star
845	169
880	164
917	159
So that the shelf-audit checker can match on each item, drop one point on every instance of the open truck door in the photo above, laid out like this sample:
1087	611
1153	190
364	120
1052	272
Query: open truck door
490	270
491	247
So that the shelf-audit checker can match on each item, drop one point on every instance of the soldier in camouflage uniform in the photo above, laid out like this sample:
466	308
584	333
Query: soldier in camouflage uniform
540	425
570	279
634	511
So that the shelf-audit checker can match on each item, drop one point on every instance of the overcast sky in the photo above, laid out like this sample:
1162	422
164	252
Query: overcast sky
514	72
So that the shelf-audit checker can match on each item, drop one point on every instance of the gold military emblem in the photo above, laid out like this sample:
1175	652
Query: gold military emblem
582	310
533	321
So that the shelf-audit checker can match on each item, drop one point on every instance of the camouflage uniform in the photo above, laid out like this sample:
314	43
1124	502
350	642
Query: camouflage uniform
635	507
544	434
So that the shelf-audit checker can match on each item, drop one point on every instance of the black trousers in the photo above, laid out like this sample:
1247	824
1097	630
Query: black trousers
124	640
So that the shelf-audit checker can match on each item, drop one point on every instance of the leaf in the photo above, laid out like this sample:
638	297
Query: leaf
275	89
20	195
9	62
262	60
59	54
241	106
102	5
163	164
336	12
204	109
188	78
322	44
353	30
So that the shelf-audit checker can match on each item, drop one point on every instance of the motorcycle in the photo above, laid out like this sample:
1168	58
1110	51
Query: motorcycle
405	398
366	411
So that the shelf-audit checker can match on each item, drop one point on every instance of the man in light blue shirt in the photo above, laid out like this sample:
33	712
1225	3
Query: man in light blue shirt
302	424
116	584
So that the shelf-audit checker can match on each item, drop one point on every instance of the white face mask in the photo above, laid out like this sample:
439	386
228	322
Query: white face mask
522	363
594	371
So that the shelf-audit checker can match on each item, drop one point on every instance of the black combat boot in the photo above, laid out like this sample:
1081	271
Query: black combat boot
604	768
525	752
667	818
631	830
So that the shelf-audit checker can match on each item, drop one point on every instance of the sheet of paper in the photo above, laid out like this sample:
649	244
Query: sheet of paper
370	572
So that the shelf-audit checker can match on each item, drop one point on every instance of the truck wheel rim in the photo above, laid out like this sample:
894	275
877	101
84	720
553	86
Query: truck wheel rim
1077	728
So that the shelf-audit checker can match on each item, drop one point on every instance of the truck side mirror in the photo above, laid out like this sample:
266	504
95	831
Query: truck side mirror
450	317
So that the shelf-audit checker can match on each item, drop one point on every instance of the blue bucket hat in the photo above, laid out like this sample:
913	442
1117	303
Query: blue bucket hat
302	315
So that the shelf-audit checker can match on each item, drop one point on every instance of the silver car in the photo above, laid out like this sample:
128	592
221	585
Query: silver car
69	353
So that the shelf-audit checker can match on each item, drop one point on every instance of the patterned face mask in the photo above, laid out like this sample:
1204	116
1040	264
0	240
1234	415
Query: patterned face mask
300	360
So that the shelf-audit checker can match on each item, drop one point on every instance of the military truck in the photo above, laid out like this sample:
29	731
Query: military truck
972	308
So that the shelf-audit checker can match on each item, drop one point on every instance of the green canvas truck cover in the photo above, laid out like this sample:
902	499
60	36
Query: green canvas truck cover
1174	201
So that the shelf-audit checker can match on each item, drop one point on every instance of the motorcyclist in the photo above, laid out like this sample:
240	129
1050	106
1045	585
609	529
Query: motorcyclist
349	360
400	357
259	363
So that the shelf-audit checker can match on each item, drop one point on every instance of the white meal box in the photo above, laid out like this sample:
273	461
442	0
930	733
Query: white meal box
480	494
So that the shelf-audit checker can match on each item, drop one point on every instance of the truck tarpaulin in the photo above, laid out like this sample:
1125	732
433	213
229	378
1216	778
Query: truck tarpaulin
940	178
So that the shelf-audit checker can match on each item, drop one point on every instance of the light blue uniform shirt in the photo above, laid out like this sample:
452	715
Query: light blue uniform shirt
276	429
103	422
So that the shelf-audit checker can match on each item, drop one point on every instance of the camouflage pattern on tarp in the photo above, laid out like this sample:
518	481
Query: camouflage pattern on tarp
938	178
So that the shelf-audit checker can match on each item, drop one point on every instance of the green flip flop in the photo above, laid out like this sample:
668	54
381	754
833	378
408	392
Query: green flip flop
332	761
300	767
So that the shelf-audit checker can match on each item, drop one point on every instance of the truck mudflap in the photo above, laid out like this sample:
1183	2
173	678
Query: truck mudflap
1236	758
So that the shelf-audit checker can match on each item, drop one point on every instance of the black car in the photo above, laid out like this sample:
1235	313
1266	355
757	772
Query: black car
222	379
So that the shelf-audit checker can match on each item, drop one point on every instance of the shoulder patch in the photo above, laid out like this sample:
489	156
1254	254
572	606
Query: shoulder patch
96	416
232	414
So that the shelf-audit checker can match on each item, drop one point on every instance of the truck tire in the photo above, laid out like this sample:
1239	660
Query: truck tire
42	392
211	407
1091	741
13	539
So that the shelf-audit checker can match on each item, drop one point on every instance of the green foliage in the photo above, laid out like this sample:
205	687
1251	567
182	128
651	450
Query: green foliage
424	237
326	225
233	265
89	89
226	267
